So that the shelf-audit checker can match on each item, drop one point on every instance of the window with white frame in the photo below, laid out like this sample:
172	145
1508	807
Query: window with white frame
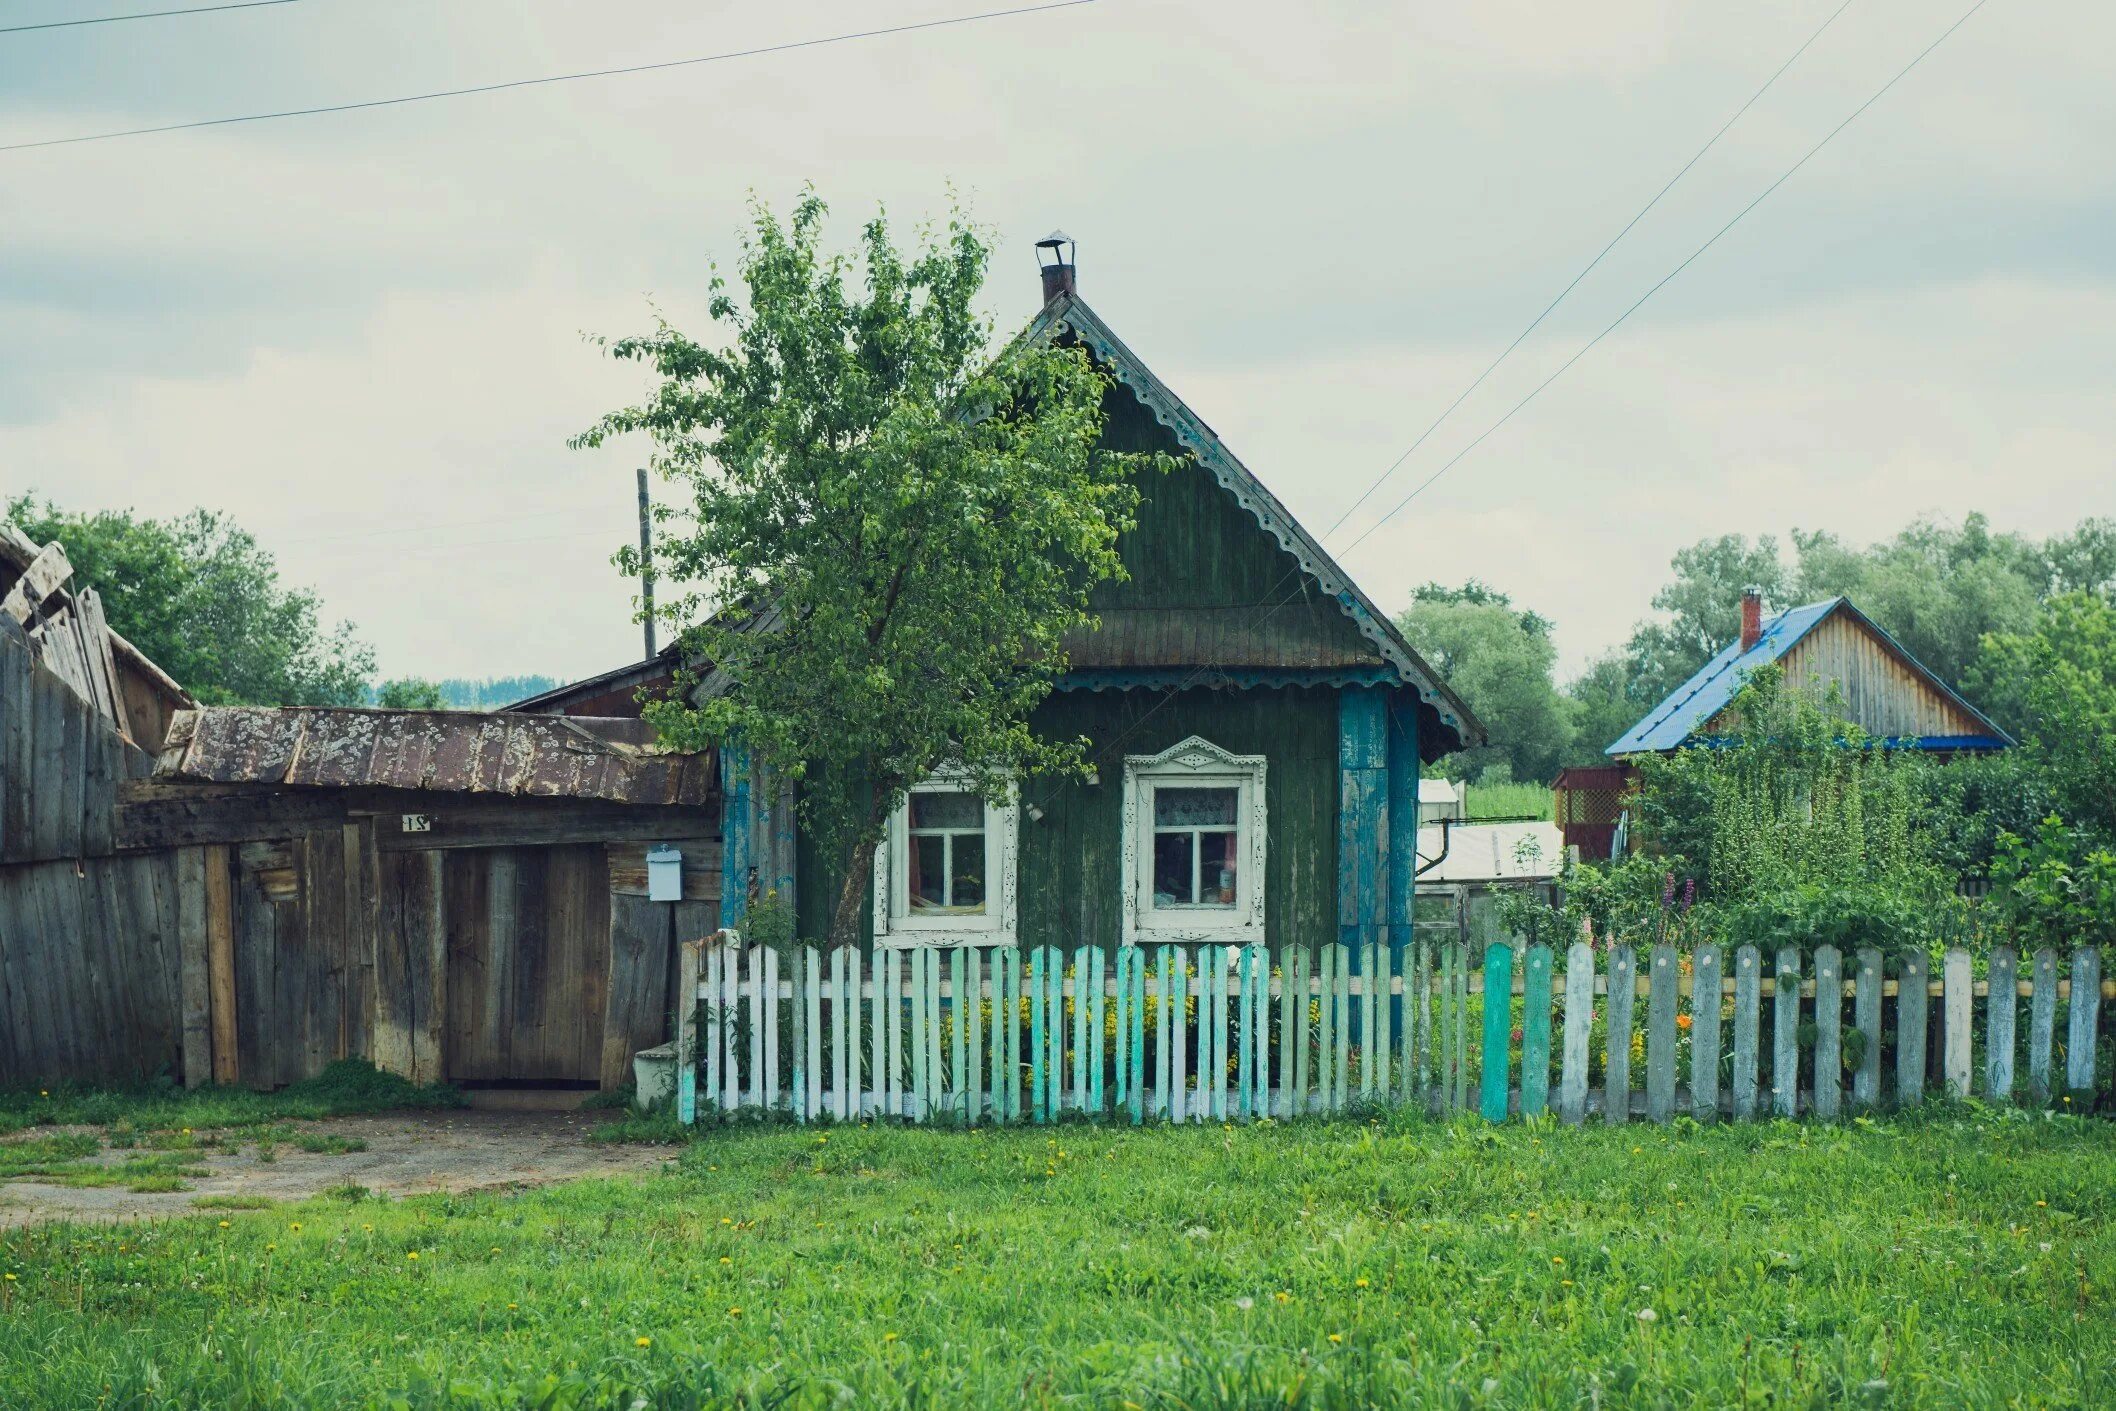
944	875
1193	847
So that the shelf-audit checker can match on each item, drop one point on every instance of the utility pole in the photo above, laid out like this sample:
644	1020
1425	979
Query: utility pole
646	560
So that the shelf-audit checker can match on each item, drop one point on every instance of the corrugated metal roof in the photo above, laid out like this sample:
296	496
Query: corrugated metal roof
1679	719
469	752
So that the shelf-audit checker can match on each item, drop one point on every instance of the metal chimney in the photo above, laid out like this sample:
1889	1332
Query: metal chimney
1055	256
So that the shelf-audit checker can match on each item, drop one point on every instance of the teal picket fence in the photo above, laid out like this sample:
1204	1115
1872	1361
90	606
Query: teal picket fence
1226	1033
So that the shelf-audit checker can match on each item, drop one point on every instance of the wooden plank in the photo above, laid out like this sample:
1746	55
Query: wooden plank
1135	987
1080	1011
1174	1032
844	1030
2082	1030
1381	1039
1459	1062
636	1001
920	959
1579	1016
732	960
812	1032
1297	978
46	574
1095	1029
1911	1011
196	984
1616	1054
1497	1078
961	972
1421	1025
974	1039
936	1075
1661	998
1370	971
1535	1030
1705	1032
1039	1079
1748	999
1326	1027
1010	1080
1213	1070
1867	984
687	959
220	964
1785	1035
1448	1027
892	969
1245	1019
1955	1036
2042	1024
2000	1014
705	993
1829	1032
878	1097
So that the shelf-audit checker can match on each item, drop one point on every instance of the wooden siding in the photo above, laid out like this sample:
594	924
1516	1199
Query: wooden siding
1200	568
528	963
1883	695
1069	868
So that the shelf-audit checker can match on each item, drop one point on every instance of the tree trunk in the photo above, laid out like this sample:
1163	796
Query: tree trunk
852	895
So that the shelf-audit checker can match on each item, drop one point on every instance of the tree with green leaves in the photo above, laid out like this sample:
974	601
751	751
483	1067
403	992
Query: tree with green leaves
887	527
2057	682
1499	659
410	693
200	596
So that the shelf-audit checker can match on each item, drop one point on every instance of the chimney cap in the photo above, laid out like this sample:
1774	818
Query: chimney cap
1055	240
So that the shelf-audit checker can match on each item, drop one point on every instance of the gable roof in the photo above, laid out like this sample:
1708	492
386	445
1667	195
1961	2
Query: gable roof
1068	313
1681	718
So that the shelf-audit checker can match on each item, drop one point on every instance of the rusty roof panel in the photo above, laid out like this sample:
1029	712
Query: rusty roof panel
445	751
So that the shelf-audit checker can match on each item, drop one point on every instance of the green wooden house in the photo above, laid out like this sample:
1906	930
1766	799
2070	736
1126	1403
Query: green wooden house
1258	724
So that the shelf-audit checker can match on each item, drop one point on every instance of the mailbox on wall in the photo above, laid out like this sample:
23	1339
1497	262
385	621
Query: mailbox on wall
664	873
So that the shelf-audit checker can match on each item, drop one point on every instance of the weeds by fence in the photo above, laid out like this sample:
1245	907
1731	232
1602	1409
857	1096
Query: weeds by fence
1234	1033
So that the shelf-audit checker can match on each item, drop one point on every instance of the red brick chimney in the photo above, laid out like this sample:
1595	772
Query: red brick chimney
1751	617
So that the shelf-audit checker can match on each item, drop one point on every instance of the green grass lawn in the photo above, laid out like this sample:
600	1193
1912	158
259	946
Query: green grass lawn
1945	1262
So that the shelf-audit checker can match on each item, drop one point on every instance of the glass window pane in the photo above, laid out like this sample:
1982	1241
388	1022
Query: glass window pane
1216	864
1172	876
969	873
1194	808
947	810
927	873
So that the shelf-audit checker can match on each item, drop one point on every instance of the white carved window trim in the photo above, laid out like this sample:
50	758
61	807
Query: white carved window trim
894	925
1194	763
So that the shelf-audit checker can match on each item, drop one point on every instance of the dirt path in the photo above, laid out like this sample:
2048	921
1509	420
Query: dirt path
405	1155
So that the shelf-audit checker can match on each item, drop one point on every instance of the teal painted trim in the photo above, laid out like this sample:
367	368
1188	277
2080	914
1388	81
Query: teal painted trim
1402	718
1498	1026
1362	811
737	844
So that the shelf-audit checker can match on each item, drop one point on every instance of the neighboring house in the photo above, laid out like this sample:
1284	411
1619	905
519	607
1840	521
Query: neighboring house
1255	720
1439	799
1885	691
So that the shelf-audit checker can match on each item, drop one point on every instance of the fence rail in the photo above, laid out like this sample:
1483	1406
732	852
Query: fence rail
1234	1033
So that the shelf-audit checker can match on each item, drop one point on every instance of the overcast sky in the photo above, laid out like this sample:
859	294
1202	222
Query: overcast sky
361	333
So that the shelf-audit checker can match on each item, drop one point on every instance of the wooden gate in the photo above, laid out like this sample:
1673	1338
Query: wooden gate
528	963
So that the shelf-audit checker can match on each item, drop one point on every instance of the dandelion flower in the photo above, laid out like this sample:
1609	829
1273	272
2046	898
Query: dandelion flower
1282	1296
888	1337
1359	1283
296	1226
1337	1337
512	1307
735	1312
411	1254
642	1342
1647	1315
2042	1205
1557	1259
1245	1302
9	1278
725	1259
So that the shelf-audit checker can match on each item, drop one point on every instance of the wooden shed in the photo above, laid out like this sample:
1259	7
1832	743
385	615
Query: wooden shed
455	896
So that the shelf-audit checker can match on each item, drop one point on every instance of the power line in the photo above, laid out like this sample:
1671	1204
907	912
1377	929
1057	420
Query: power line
547	79
1198	673
144	15
1588	269
1664	279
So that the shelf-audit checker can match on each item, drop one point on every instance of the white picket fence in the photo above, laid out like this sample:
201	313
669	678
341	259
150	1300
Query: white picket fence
1221	1033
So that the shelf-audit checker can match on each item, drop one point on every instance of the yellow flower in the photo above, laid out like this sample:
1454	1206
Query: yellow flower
1557	1259
1337	1337
10	1278
735	1312
2042	1205
1565	1283
724	1259
888	1337
642	1342
512	1307
1359	1283
725	1221
411	1254
270	1247
295	1226
1282	1296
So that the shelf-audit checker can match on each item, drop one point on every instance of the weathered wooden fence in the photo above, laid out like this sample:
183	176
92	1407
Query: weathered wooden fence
1231	1033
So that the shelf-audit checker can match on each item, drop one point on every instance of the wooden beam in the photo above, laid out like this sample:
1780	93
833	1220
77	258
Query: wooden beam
45	575
194	986
220	961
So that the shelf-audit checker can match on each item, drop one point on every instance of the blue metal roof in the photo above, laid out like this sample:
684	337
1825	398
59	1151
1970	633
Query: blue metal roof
1681	718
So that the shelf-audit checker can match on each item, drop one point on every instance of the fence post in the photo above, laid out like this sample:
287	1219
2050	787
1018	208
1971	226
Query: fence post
1829	1027
1660	1033
1704	1033
1866	1016
1785	1035
1498	1025
2081	1034
1748	1004
2001	1001
1616	1057
687	1032
1955	1037
1535	1031
1911	1007
1579	1016
2042	1024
